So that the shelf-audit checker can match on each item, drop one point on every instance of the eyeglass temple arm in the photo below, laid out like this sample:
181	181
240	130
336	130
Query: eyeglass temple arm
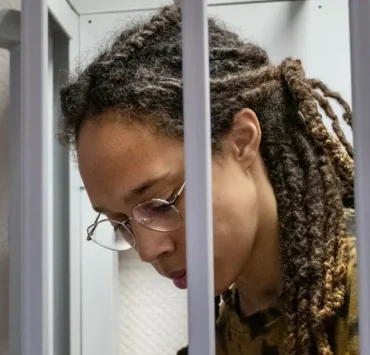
90	233
175	197
182	189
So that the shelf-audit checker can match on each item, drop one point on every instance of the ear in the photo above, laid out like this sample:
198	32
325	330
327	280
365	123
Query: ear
245	137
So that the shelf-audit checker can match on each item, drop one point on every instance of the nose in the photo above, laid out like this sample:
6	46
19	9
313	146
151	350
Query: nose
151	245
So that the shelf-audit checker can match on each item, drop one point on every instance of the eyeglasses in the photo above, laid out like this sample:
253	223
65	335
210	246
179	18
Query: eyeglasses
156	214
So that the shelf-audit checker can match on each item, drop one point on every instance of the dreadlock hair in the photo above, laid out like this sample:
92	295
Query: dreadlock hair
310	169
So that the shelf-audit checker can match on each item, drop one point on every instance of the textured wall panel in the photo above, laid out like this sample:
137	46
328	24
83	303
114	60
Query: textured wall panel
152	312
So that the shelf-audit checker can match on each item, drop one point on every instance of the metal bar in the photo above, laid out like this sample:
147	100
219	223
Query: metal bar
15	205
49	136
360	56
35	152
199	229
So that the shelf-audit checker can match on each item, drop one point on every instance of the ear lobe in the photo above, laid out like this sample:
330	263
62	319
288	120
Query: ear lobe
246	136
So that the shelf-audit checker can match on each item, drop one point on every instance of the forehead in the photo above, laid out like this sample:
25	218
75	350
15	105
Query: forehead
117	155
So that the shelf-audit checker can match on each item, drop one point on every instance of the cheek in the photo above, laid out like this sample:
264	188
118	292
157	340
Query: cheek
235	225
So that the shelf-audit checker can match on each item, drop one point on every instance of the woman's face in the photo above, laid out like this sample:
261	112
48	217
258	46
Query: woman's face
115	158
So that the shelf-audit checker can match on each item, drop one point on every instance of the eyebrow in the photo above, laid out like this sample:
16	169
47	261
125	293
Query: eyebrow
138	190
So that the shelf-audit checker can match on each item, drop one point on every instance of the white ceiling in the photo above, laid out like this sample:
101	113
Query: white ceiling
99	6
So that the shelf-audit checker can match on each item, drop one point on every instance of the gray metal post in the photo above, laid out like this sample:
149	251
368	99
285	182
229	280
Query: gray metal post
199	230
35	194
360	50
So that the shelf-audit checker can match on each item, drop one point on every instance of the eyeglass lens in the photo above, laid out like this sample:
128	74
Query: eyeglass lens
158	215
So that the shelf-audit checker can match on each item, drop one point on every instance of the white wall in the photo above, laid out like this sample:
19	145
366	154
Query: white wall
4	190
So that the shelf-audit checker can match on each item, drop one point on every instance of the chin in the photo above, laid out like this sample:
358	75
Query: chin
221	288
224	281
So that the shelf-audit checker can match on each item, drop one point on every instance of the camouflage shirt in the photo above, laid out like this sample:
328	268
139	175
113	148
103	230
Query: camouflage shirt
262	333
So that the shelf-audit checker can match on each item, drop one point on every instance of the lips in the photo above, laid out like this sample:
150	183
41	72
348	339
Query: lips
179	279
177	274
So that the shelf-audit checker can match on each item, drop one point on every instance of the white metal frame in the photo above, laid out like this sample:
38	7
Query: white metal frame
360	50
35	195
199	230
67	18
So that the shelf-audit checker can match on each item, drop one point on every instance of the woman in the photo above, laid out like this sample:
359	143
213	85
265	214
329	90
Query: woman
282	184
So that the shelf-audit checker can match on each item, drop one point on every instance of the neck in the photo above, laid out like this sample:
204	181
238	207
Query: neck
260	283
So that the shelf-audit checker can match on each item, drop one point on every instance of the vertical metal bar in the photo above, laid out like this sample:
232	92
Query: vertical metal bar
49	137
199	229
34	215
15	256
360	56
